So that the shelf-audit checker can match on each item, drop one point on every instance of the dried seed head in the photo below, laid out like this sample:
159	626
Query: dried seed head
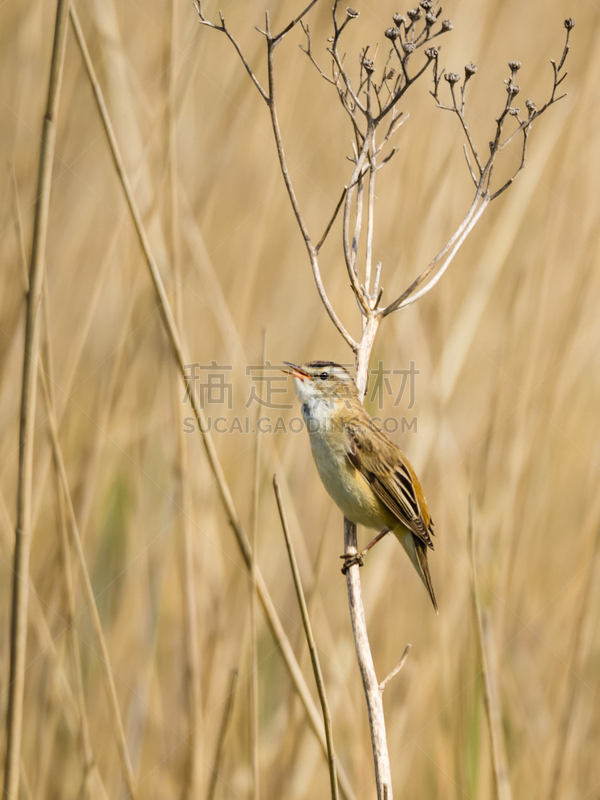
470	69
350	12
514	112
446	25
514	66
414	14
569	23
452	78
408	48
426	5
400	20
513	89
530	106
392	33
431	52
430	18
391	73
369	65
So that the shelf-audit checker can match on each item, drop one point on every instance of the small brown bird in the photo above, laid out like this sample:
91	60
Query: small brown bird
367	475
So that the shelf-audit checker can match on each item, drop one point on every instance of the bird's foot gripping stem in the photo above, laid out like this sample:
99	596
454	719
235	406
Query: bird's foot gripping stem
359	558
351	560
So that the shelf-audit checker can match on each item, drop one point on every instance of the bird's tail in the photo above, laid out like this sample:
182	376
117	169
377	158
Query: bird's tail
417	552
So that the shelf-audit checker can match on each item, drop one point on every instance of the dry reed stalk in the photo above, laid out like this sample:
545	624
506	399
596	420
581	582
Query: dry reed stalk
312	647
184	498
89	481
81	339
254	696
90	768
19	229
117	722
46	642
18	632
46	367
175	341
488	659
574	666
220	749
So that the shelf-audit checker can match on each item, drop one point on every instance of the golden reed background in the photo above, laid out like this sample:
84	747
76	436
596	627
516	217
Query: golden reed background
507	404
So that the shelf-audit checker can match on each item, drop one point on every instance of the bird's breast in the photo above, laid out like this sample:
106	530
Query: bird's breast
342	480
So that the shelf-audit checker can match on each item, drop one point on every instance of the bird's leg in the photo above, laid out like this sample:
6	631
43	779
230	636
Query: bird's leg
378	538
358	558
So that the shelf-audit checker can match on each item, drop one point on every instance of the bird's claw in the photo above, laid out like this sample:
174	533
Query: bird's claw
354	559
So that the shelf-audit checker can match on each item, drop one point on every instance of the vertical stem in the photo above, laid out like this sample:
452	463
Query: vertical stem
186	549
373	696
90	770
254	698
20	588
493	706
220	751
113	703
370	217
312	645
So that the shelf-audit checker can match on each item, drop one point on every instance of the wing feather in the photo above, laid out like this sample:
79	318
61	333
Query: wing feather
391	477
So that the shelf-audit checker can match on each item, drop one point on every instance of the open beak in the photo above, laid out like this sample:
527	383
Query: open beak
296	372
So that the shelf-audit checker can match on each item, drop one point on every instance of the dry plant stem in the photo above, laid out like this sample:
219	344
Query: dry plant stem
45	640
411	295
269	98
90	771
254	698
490	679
19	229
310	247
214	463
220	751
18	628
312	646
396	669
575	664
117	722
84	732
373	695
190	614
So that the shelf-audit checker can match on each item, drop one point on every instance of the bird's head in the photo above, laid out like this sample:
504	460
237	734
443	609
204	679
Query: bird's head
323	380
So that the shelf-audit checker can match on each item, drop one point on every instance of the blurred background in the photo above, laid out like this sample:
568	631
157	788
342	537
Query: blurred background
506	399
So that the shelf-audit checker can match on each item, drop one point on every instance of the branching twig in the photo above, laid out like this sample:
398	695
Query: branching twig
224	29
332	220
396	669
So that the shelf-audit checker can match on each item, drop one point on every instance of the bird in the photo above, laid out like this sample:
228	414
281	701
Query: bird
366	474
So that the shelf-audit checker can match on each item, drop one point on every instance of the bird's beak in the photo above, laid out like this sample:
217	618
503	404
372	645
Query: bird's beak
296	372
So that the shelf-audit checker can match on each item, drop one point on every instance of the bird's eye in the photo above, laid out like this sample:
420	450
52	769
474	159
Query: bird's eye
324	376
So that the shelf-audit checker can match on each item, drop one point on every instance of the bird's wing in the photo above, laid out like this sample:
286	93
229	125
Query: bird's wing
391	477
